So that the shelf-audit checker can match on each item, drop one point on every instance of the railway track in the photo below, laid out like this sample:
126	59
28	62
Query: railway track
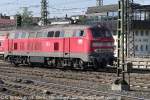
44	89
23	81
46	73
137	81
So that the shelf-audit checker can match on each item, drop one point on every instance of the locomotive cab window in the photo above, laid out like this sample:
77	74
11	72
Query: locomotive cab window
108	34
50	34
79	33
100	32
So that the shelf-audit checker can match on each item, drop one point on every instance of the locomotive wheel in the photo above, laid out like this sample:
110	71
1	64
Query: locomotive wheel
111	61
16	61
59	64
96	67
15	64
103	64
78	64
30	64
81	65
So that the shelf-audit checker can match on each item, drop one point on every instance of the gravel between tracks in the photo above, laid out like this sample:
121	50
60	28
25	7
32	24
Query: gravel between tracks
53	82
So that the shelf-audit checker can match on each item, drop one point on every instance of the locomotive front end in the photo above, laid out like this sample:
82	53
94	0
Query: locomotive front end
102	46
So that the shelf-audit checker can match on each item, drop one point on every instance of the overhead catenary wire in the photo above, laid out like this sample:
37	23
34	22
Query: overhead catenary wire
71	2
54	8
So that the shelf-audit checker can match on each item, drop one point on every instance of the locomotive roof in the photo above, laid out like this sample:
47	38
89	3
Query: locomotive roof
47	28
66	27
54	27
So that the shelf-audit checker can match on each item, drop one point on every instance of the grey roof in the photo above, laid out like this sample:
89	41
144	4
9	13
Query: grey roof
113	7
101	9
142	7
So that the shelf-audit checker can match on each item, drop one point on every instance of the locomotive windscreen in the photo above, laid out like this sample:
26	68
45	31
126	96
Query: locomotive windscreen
100	32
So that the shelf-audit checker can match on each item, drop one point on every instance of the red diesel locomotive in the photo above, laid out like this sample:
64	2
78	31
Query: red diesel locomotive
76	46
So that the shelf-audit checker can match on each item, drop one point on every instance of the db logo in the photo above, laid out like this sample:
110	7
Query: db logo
48	44
80	41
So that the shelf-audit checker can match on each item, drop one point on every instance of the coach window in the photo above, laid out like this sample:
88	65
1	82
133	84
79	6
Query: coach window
16	35
61	34
39	34
11	35
32	35
50	34
23	35
57	33
20	33
27	35
68	33
44	34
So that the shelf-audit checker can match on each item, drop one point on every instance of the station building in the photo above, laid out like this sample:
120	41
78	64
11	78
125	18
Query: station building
141	30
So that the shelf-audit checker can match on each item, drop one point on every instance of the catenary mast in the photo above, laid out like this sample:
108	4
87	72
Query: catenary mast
99	2
44	12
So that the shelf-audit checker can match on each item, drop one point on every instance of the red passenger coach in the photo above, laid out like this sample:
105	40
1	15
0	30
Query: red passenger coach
76	46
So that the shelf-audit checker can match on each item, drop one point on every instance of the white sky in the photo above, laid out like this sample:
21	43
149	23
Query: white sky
56	7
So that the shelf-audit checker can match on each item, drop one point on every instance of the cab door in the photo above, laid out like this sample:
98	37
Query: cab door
67	36
66	47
